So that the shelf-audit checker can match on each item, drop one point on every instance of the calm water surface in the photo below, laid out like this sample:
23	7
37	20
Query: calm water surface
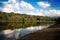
18	33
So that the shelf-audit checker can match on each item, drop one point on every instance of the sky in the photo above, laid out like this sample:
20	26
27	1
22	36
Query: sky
49	8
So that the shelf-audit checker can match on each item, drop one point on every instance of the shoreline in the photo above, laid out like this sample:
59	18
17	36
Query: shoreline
50	33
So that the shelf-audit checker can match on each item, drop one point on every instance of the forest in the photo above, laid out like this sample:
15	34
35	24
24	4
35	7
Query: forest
17	20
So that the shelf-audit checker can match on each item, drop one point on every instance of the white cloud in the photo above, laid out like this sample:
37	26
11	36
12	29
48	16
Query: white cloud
12	1
52	13
10	6
43	4
39	10
17	6
33	13
13	5
36	12
8	10
26	5
30	9
0	9
27	8
18	12
6	4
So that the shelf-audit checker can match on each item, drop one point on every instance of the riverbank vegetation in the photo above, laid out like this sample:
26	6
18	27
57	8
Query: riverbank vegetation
16	20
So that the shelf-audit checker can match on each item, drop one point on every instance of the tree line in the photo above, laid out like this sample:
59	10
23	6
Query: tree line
16	20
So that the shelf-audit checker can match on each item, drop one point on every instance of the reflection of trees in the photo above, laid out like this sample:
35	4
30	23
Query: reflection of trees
4	25
23	21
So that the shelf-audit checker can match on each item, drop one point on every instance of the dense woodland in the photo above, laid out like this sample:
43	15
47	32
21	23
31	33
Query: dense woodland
16	20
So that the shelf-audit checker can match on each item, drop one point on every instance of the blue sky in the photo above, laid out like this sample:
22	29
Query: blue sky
31	7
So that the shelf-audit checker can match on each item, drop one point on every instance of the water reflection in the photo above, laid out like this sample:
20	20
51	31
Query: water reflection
18	33
16	25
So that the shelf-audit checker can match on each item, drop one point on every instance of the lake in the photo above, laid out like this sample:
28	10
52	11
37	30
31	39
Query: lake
18	33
